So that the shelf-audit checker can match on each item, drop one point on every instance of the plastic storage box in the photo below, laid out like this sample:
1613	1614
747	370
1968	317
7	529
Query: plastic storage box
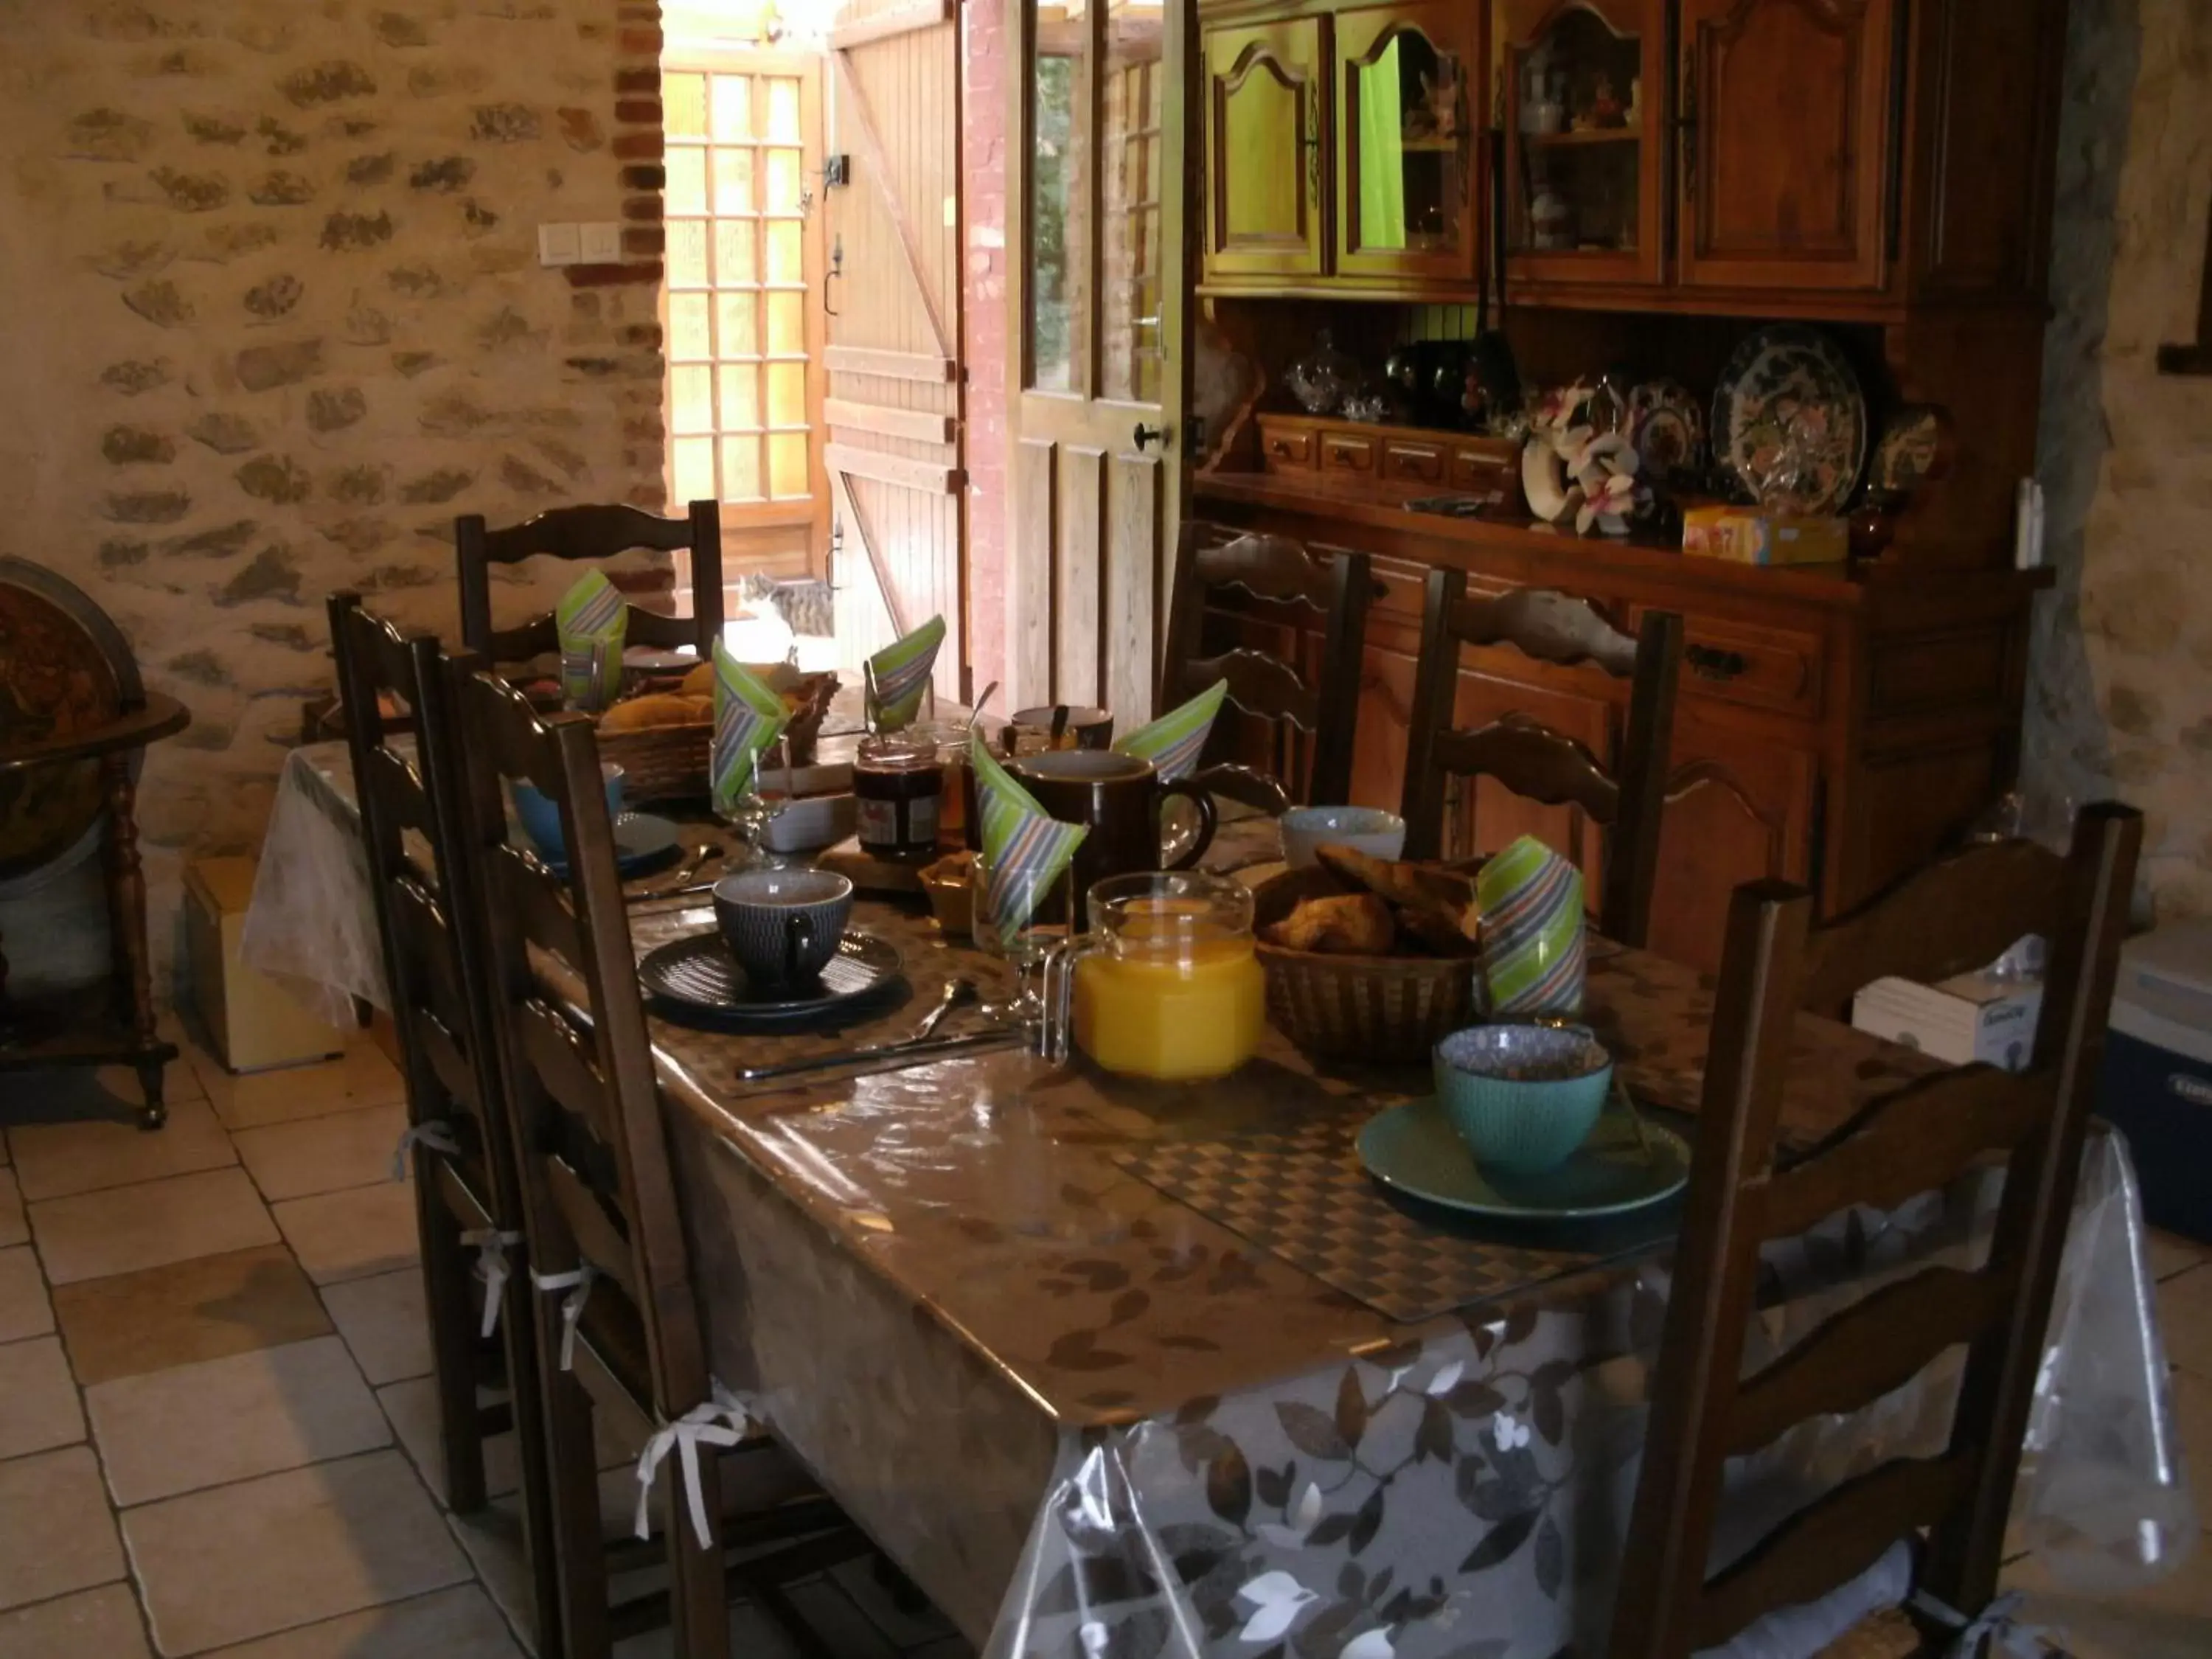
2157	1082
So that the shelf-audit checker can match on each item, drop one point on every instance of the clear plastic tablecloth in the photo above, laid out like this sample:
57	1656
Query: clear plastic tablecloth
1093	1422
313	920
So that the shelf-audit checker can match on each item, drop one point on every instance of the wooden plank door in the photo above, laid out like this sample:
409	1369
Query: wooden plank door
892	305
1096	202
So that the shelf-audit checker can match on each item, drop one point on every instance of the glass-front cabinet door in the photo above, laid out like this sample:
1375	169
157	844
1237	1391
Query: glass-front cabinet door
1406	139
1264	154
1583	85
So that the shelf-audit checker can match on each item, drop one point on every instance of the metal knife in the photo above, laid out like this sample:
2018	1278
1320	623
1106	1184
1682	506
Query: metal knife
888	1056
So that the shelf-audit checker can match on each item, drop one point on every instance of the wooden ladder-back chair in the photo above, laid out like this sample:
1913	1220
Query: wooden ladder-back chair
599	1197
1530	758
1340	585
1955	916
589	534
468	1203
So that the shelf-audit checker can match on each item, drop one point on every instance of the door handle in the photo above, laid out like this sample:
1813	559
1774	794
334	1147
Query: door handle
1151	434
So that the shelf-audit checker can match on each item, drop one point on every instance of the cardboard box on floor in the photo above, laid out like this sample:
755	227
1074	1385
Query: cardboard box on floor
253	1022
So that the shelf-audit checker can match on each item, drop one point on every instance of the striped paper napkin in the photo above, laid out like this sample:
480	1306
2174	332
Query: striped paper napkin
901	672
1174	742
1026	849
747	717
591	620
1533	932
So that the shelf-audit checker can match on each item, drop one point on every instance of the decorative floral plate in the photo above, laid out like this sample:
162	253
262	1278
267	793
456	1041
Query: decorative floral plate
1789	376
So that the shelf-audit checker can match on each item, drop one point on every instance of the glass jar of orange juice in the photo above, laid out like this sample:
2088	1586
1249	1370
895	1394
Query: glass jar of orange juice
1166	986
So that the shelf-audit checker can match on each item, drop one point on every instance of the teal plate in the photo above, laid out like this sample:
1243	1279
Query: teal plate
1413	1149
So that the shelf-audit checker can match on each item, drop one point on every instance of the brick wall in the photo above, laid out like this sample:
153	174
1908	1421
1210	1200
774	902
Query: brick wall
274	317
983	178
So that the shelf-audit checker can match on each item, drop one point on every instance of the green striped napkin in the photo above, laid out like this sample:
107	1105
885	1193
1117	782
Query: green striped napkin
900	673
747	717
1026	849
1533	945
1174	742
591	620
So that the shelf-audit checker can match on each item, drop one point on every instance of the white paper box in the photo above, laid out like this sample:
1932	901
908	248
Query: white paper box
1972	1018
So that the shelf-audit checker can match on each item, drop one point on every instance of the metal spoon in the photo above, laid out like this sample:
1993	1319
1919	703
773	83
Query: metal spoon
956	990
679	882
1635	1116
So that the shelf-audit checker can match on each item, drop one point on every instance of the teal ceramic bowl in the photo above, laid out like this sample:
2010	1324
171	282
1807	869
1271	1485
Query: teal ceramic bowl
1522	1096
541	819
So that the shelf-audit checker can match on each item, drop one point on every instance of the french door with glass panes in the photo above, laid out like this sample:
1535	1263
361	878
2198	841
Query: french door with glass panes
745	393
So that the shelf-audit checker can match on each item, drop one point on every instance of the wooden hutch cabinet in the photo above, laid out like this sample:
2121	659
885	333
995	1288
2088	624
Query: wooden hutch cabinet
1677	174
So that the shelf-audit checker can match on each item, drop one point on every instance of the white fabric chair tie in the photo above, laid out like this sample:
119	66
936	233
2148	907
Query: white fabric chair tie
491	1246
578	1283
1997	1624
720	1420
434	1132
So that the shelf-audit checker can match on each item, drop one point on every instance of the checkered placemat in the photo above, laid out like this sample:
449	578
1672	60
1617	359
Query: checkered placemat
1304	1195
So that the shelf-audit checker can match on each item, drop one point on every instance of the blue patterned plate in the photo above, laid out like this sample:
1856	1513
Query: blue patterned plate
1413	1149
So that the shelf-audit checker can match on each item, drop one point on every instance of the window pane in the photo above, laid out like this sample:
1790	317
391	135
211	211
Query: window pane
691	400
783	181
785	262
1129	361
786	394
741	477
683	105
738	325
687	180
733	254
733	181
733	116
687	326
786	464
687	253
692	464
1059	234
740	397
786	324
782	111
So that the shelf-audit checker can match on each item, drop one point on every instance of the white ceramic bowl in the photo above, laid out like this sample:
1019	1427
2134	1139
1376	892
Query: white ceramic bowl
1368	829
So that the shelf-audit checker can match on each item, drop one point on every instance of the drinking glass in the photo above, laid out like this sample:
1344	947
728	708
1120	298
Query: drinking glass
1042	906
751	813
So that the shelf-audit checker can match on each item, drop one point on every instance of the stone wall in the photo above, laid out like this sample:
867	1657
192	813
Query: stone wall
2120	701
274	316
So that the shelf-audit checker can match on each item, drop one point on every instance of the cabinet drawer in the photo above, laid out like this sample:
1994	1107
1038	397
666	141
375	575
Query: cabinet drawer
1287	449
1407	463
1745	662
1487	472
1347	452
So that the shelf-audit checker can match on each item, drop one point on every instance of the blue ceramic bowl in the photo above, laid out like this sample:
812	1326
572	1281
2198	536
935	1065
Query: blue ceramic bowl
1368	829
1523	1098
541	819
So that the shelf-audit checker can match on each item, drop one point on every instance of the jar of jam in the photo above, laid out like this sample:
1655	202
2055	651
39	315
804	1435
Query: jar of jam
896	787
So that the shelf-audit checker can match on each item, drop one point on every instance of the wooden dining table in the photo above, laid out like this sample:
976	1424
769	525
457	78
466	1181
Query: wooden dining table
1126	1371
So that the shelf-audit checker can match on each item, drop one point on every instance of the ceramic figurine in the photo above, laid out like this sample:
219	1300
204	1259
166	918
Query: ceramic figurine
1605	108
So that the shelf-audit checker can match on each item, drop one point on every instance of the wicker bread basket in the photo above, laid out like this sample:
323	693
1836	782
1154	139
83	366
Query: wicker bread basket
1386	1010
669	762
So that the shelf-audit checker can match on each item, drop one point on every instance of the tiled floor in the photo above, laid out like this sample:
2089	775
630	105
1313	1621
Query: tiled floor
215	1430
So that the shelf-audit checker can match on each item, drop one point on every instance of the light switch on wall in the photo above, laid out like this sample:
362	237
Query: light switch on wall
557	245
600	244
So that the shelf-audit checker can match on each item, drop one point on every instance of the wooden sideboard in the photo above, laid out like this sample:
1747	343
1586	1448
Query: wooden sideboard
1833	729
1649	182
